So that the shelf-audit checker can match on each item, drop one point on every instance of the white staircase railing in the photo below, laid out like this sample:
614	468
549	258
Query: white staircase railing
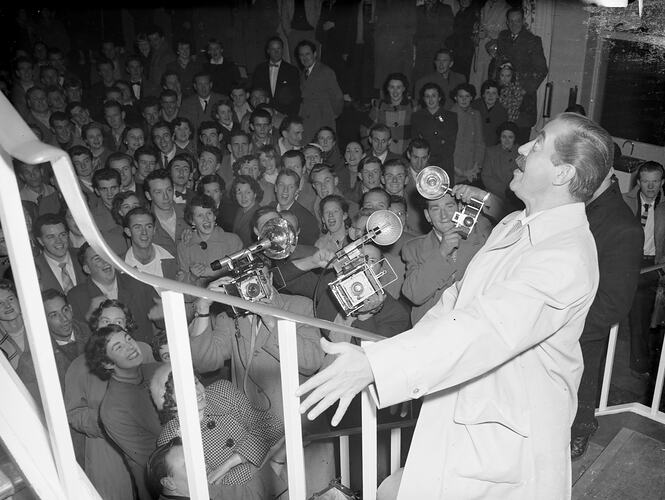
66	480
651	412
43	448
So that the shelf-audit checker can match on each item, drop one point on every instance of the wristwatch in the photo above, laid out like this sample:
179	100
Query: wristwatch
201	315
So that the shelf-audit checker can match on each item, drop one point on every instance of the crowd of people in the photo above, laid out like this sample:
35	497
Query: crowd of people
183	161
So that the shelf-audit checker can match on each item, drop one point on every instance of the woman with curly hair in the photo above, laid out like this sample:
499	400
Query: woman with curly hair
335	220
84	393
208	242
248	194
394	111
237	438
251	166
126	411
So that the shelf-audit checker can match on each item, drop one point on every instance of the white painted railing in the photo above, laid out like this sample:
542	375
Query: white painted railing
43	448
652	412
58	475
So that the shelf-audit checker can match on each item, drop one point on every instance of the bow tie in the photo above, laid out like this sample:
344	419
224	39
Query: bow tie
180	194
136	84
274	65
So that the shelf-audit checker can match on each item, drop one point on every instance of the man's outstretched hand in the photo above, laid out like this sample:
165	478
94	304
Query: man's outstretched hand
349	374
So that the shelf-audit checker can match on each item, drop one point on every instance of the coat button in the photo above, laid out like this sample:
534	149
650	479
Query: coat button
230	442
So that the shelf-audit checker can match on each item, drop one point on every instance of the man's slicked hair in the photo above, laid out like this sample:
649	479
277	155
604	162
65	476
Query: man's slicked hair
589	149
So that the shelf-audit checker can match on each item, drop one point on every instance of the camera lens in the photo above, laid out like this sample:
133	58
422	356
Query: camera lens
468	221
253	290
357	288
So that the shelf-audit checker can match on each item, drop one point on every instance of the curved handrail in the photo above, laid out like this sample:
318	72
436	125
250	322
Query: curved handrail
21	143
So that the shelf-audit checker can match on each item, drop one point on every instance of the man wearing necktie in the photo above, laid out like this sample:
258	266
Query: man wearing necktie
525	51
322	98
645	200
497	359
57	267
279	78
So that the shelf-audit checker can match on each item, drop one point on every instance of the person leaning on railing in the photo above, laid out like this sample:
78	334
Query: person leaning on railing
237	438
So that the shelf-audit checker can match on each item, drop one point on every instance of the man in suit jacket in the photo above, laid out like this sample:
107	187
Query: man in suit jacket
286	189
279	78
438	259
68	338
169	216
443	76
161	55
322	99
619	241
525	51
104	281
57	267
646	203
199	107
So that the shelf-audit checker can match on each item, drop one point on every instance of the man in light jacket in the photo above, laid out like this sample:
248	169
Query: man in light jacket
497	359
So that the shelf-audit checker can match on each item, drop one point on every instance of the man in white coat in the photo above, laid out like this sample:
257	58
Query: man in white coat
497	359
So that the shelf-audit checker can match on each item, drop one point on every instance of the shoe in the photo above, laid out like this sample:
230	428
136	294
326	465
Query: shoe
578	447
645	376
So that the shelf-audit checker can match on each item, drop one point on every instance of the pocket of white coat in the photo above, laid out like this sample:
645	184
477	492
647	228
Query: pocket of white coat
489	451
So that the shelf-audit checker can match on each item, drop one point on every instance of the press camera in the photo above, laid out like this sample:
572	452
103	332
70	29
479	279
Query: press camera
245	277
358	279
433	183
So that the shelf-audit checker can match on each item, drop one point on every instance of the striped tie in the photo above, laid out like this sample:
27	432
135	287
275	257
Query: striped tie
645	214
67	283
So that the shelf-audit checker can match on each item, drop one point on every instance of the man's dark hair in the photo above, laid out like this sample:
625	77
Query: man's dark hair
58	116
445	51
127	219
295	153
260	212
274	39
208	124
78	150
116	156
513	10
157	468
650	166
260	113
48	219
158	173
161	124
288	121
146	149
213	150
377	190
52	293
105	174
210	179
418	143
306	43
148	101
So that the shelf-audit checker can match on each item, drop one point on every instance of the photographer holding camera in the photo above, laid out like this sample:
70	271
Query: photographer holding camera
251	342
438	259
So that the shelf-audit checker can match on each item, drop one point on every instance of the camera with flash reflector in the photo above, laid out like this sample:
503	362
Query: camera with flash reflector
433	183
359	278
247	280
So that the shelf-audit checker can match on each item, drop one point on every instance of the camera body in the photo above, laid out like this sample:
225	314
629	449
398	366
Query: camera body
466	219
358	280
248	282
